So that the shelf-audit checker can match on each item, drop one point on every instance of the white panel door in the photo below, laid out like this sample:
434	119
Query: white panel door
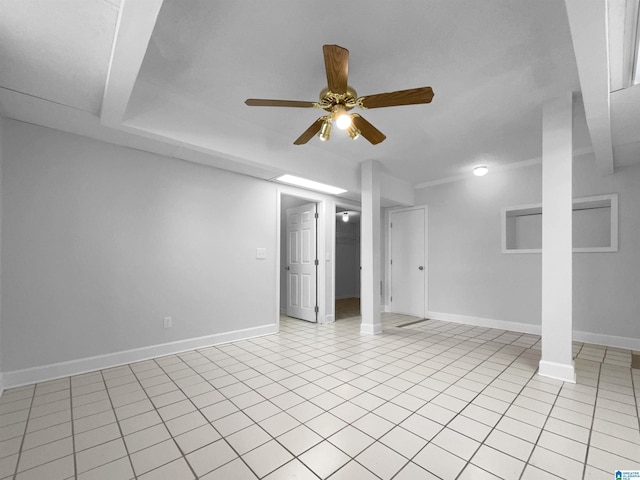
408	268
301	262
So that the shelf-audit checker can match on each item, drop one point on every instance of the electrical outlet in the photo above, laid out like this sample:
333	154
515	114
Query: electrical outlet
168	322
261	253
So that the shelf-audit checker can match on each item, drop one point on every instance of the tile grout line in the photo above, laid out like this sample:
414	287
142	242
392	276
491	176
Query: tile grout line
525	349
593	419
468	462
241	410
155	408
367	391
457	414
24	434
222	437
331	353
117	422
73	434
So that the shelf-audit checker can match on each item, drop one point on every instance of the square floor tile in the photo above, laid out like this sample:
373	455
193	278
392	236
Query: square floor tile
353	471
295	469
456	443
154	456
403	441
421	426
324	459
210	457
557	464
145	438
233	470
382	460
326	424
178	469
100	455
492	460
514	446
267	458
411	471
373	425
299	439
248	438
473	472
59	469
278	424
196	438
120	469
438	461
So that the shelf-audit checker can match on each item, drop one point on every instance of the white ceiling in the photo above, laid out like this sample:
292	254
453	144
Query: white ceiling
178	79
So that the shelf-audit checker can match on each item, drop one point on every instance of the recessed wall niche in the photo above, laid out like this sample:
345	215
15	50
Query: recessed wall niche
594	226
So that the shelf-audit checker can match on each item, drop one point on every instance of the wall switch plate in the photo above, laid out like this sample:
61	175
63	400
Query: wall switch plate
261	253
168	322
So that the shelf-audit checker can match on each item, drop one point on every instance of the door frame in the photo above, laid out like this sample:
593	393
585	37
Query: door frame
321	247
388	237
334	237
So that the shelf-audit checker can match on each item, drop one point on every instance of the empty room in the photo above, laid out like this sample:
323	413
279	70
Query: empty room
284	240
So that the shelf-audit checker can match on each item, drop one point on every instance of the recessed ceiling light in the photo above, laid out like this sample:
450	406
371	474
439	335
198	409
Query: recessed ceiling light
480	170
310	184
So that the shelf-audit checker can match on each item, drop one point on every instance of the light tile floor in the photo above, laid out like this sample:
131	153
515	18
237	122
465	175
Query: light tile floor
429	400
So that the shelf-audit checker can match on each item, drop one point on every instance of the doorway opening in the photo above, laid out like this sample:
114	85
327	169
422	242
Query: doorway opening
347	264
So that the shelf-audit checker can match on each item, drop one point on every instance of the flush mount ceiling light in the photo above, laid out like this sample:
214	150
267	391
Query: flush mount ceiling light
480	170
310	184
339	98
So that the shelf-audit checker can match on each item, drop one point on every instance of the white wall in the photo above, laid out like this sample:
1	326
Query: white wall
605	285
100	242
469	276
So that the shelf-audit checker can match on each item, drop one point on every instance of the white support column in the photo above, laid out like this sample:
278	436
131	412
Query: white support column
557	205
370	247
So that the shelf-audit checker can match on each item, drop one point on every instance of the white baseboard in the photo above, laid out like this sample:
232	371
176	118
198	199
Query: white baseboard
27	376
558	371
578	335
329	319
370	329
607	340
485	322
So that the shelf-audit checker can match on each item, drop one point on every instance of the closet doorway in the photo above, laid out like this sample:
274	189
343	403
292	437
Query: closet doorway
347	263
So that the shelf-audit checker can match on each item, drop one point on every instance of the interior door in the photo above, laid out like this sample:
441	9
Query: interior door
408	266
301	267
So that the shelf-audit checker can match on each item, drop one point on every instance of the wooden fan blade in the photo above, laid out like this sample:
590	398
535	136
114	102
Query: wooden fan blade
259	102
336	63
309	132
367	130
401	97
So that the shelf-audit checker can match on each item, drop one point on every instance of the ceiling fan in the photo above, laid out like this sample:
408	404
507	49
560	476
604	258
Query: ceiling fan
339	98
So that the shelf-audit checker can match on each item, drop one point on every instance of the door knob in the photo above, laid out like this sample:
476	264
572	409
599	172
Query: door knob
420	267
287	267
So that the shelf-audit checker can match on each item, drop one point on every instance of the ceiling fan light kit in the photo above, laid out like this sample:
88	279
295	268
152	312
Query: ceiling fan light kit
338	99
480	170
